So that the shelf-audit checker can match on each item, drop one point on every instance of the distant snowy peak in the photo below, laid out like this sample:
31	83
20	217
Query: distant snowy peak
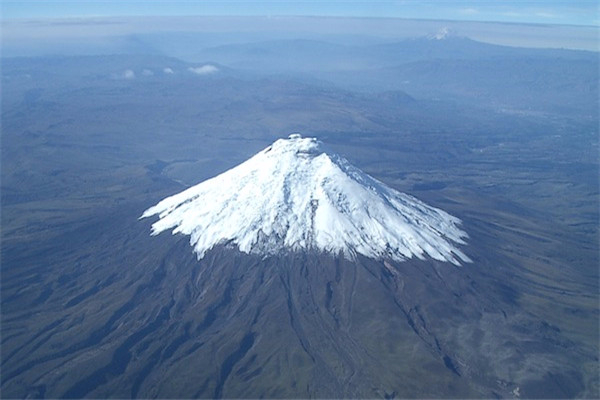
442	34
295	196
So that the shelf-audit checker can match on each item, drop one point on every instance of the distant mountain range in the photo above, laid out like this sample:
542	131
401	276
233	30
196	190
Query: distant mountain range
451	68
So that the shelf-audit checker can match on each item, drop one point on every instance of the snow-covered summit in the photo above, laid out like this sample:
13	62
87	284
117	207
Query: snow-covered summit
295	196
442	34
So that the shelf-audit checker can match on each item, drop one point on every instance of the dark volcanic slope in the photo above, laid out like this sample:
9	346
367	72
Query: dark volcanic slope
153	321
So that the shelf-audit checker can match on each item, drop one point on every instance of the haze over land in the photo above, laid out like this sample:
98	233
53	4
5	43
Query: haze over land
184	37
104	117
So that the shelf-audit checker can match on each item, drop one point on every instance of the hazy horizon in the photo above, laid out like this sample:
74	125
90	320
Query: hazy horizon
51	36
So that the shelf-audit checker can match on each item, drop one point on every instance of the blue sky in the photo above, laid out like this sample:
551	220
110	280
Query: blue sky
584	12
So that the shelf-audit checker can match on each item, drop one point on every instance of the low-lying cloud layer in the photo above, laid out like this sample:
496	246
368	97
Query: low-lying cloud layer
128	74
204	70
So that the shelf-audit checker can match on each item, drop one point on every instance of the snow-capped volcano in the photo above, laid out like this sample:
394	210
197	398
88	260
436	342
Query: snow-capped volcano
442	34
295	196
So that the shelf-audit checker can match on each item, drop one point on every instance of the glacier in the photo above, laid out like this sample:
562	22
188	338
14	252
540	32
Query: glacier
296	196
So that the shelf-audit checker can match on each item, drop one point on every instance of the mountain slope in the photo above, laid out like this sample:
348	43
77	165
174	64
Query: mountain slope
294	196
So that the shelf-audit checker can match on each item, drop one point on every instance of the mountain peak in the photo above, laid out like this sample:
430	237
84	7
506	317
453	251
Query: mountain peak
301	146
295	196
442	34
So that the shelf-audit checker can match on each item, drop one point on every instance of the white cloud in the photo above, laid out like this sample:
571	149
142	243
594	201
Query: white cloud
545	15
513	14
147	72
168	70
128	74
204	70
469	11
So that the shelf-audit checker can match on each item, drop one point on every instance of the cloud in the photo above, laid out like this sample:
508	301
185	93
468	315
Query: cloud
147	72
168	70
204	70
128	74
545	15
469	11
513	14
